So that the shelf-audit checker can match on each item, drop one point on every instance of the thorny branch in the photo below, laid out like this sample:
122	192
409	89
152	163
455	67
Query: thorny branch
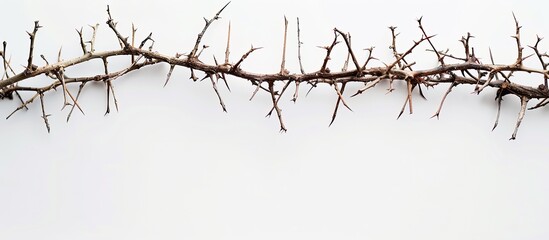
451	69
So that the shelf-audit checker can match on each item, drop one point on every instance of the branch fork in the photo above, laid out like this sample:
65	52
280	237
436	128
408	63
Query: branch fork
452	70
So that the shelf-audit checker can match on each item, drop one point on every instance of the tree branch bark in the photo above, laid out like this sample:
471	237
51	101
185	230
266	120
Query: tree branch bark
452	69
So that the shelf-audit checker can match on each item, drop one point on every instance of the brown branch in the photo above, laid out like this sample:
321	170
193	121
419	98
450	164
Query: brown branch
401	56
92	41
368	86
4	60
283	70
201	34
32	36
122	40
340	99
172	66
329	49
517	38
76	101
297	81
148	38
523	103
44	115
448	69
440	57
24	105
227	52
111	87
437	114
542	103
540	57
217	93
370	57
279	97
347	39
257	89
236	67
408	100
82	44
499	98
222	76
299	50
275	105
60	75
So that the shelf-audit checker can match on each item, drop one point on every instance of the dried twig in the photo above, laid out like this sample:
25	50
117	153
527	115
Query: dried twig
523	103
44	115
92	41
201	34
437	114
214	85
32	36
82	44
237	65
275	105
339	99
76	101
451	69
347	39
283	70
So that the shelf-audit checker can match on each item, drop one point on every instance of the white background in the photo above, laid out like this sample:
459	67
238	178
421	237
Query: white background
172	165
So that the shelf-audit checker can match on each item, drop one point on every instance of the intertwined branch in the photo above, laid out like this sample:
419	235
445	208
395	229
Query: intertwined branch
453	70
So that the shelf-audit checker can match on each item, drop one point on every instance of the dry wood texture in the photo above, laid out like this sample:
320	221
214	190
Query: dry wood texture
451	70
